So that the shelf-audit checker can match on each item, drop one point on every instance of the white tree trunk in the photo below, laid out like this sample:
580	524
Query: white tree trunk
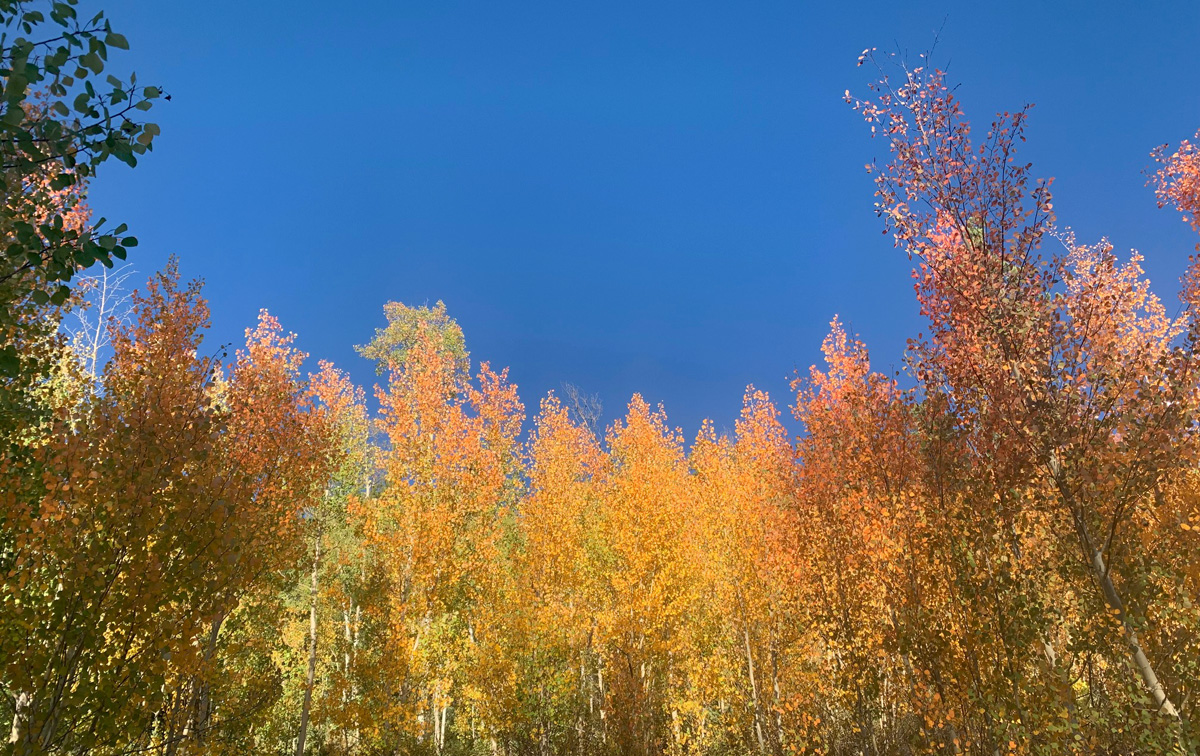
312	650
1100	571
758	730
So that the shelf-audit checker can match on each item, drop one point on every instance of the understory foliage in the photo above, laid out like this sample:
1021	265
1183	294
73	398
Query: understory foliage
998	554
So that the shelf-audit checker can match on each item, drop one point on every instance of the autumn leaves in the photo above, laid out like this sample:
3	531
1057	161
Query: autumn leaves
994	554
1065	389
165	503
579	608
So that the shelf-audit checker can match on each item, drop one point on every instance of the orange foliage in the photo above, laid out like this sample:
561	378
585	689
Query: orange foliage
1000	558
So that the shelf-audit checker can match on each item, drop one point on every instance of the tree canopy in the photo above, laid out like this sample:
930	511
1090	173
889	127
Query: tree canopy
212	554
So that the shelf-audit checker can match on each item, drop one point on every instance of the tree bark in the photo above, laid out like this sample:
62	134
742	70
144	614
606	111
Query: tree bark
1100	571
778	707
758	730
1060	679
204	700
20	714
312	649
1113	599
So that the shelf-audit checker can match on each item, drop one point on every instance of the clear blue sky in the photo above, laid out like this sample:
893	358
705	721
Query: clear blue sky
665	198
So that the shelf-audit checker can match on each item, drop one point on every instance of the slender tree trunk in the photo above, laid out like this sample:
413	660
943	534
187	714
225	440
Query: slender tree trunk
20	714
438	713
198	712
169	724
442	726
349	642
354	650
41	717
204	704
1060	679
758	731
603	713
312	649
583	685
349	658
777	712
1113	599
1100	571
179	715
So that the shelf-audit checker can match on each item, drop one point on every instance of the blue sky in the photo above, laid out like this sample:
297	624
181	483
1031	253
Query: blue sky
664	198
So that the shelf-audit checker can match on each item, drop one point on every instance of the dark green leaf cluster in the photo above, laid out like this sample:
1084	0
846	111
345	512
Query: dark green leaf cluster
58	123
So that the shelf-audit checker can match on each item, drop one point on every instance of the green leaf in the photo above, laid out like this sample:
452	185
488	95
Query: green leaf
116	40
10	362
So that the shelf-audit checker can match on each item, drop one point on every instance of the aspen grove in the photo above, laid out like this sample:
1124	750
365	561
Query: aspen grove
996	551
